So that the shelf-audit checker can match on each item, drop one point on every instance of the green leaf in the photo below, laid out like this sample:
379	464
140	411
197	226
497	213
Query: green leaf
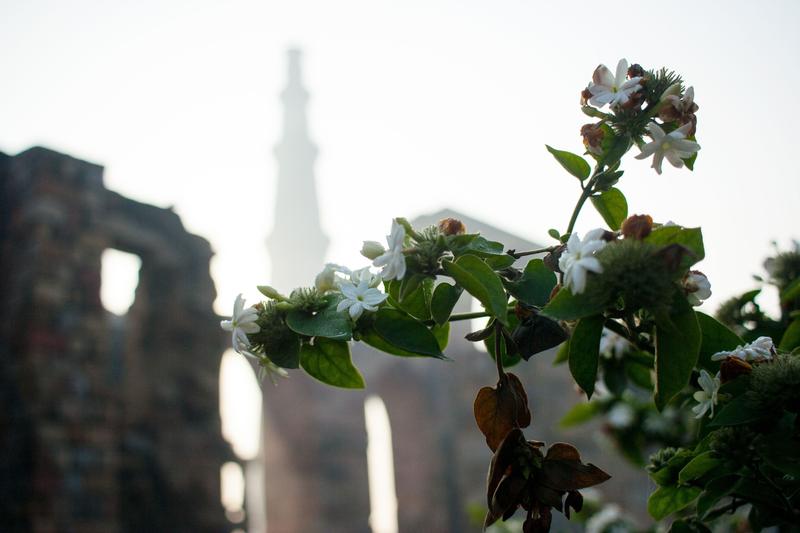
413	297
284	349
667	475
568	306
716	337
536	284
442	334
562	355
617	149
698	467
329	361
371	338
579	414
477	245
405	332
327	323
554	234
743	409
584	346
715	489
639	374
444	299
478	279
690	238
678	341
791	292
791	337
574	164
508	359
667	500
612	206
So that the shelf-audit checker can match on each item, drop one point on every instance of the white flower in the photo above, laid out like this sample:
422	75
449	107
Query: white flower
761	349
621	416
673	145
271	370
600	521
609	89
364	274
242	323
578	259
359	298
697	287
706	398
613	345
393	261
681	104
327	280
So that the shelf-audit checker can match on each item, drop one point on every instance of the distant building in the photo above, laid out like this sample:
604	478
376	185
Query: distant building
107	424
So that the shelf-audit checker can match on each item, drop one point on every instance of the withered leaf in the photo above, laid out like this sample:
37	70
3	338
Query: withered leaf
571	475
540	524
506	498
481	334
548	496
499	410
536	334
501	460
563	451
575	501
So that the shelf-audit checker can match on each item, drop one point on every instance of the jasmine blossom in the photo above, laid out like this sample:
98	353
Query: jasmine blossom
578	259
761	349
393	261
707	397
242	323
697	287
673	145
606	88
359	298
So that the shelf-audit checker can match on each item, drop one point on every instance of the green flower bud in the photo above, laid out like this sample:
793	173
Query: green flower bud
372	249
271	293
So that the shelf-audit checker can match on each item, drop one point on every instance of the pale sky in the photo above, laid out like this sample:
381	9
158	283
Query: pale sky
416	105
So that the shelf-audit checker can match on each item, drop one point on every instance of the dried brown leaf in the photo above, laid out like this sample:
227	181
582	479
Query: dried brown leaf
499	410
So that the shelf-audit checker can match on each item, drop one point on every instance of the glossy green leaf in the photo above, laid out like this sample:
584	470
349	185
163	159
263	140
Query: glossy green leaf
329	361
715	490
284	350
743	409
568	306
562	355
616	150
791	292
678	339
584	346
371	338
716	337
405	332
572	163
413	297
478	279
791	337
667	500
579	414
328	323
444	299
442	334
698	467
535	285
690	238
612	206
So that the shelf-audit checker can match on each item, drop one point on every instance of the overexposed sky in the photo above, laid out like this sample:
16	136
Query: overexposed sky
416	105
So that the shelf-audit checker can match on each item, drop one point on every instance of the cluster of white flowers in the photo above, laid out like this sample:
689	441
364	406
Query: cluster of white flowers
697	287
578	259
707	397
761	349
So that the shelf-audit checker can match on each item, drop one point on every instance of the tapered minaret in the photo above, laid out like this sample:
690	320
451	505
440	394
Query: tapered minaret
297	244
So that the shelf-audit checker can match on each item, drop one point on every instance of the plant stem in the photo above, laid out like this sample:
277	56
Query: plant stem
498	357
517	255
623	332
467	316
587	192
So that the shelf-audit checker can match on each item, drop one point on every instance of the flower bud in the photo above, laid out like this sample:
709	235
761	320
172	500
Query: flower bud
592	138
696	286
672	90
271	293
372	249
637	227
636	71
326	280
452	226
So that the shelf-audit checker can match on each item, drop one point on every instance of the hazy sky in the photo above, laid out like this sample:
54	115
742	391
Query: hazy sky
416	105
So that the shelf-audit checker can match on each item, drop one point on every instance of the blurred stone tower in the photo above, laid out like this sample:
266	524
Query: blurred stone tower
297	245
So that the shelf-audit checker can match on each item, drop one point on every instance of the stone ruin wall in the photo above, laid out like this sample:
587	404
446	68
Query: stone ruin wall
107	424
